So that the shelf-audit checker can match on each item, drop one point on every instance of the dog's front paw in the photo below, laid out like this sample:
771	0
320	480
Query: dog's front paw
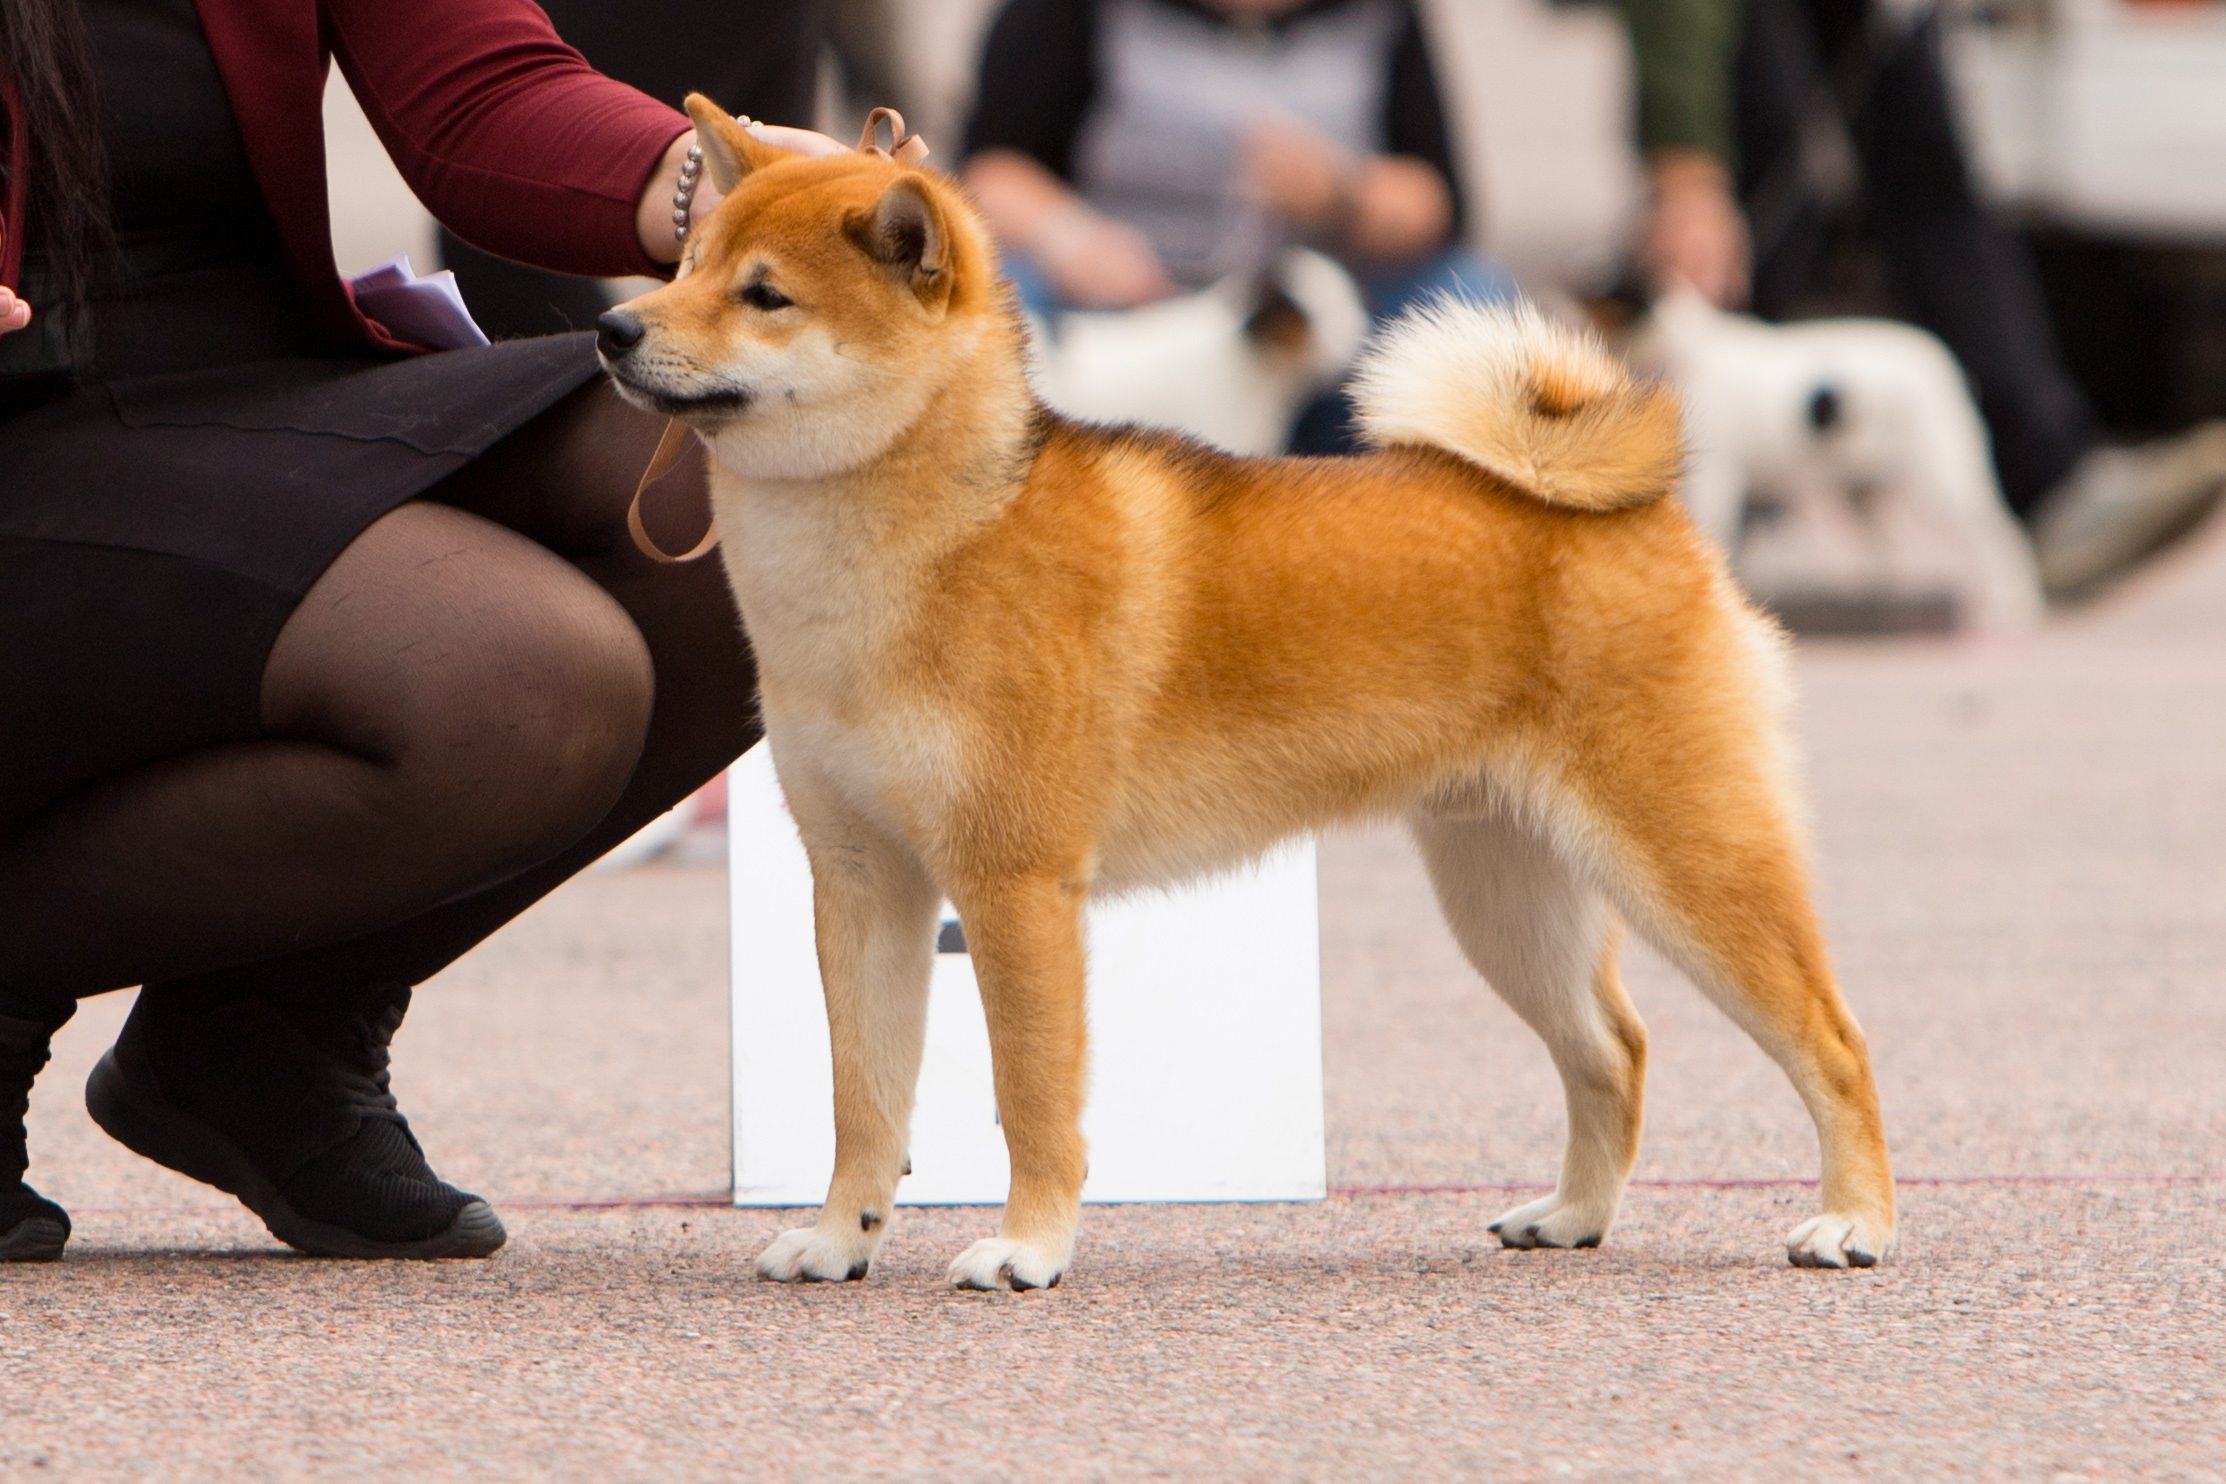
809	1255
1834	1241
1552	1222
995	1262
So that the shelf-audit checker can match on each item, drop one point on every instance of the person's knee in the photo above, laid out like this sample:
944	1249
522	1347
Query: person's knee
545	720
501	696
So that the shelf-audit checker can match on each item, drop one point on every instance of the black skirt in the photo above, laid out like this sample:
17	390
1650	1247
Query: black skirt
157	531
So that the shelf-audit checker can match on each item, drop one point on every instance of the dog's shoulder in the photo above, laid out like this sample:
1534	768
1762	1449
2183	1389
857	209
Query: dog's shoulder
1126	453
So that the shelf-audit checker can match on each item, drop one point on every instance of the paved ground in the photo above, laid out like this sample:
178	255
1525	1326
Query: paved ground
2024	871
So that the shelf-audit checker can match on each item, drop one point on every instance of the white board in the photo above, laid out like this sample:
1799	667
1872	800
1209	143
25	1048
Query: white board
1205	1038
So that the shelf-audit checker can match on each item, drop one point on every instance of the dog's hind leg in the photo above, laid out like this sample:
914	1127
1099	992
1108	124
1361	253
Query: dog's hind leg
1546	942
874	912
1026	939
1684	805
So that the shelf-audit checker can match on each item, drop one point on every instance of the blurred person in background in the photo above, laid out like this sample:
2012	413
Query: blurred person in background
757	58
321	658
1127	150
1831	120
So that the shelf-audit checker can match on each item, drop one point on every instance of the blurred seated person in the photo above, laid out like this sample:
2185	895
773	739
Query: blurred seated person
1832	121
1128	150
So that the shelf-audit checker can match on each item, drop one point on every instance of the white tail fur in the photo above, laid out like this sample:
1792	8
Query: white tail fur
1543	408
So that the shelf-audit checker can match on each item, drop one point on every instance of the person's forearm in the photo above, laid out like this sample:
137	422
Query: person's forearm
1401	210
1094	261
1022	201
653	223
1695	236
503	131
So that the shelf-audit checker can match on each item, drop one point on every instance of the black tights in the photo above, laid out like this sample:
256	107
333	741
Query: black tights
486	691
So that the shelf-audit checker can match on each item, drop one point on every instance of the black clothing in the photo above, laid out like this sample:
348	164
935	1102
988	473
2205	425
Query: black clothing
32	1228
161	516
294	1117
1037	80
1949	265
159	520
157	532
205	281
759	59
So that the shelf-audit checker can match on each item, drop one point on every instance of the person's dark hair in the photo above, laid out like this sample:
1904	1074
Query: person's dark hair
43	48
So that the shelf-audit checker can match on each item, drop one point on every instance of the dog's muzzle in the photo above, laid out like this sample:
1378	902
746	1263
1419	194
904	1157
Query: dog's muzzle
617	332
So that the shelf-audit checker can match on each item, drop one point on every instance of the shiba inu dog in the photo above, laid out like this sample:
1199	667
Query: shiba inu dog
1016	660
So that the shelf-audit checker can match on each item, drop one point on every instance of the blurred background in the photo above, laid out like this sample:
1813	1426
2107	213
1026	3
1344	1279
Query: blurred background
2055	217
2100	124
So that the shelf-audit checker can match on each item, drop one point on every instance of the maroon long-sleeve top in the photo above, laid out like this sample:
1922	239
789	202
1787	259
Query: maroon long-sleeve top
504	132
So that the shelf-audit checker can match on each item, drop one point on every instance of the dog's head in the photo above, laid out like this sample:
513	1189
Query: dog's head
817	311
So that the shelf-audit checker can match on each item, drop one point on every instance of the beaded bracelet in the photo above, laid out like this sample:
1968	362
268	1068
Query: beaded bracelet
691	170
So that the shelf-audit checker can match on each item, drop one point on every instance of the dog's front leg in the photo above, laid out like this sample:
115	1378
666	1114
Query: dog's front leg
1026	941
874	911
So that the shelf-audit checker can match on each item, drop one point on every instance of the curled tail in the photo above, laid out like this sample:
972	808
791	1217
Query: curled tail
1544	408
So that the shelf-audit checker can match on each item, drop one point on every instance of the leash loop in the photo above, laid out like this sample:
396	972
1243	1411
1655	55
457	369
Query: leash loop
669	449
904	149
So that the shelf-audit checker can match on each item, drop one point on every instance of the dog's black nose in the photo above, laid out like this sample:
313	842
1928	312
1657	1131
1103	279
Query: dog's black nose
618	331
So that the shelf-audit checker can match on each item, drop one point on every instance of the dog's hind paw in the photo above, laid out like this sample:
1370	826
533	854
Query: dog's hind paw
1552	1222
1830	1241
808	1255
995	1262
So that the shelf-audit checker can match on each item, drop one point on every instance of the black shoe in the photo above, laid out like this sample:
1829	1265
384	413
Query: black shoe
32	1228
290	1113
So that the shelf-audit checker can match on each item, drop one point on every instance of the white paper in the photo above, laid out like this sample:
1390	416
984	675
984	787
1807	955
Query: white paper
426	311
1205	1038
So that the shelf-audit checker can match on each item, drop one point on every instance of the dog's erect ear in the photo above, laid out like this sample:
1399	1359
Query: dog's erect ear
728	150
906	233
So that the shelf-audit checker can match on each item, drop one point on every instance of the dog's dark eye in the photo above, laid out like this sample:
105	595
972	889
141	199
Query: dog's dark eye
765	296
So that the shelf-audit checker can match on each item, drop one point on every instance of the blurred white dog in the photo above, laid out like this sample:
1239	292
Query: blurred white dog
1232	364
1839	408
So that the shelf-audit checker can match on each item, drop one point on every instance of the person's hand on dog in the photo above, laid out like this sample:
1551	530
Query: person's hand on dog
14	313
1696	236
653	216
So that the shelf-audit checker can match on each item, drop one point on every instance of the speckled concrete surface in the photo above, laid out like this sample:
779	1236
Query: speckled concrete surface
2023	864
